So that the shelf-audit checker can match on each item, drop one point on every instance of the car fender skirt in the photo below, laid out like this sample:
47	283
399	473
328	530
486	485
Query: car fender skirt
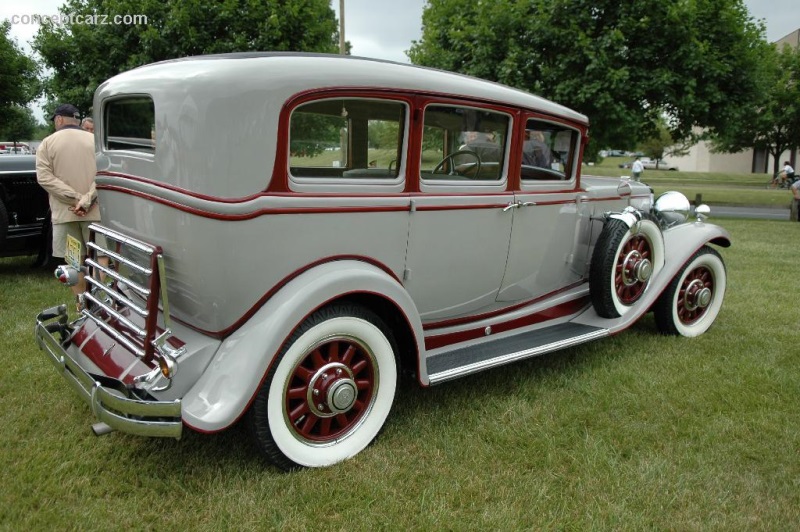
227	387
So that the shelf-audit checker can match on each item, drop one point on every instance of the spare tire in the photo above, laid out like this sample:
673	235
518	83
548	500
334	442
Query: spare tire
623	262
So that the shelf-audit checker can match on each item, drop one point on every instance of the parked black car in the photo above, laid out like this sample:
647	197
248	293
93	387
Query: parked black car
24	210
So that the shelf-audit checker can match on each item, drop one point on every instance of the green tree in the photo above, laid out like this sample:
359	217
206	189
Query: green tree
18	73
623	64
18	124
82	56
770	122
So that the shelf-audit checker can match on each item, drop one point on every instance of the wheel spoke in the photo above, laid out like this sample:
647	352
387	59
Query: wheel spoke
317	358
333	352
359	366
342	420
297	393
308	424
304	374
325	427
298	412
348	354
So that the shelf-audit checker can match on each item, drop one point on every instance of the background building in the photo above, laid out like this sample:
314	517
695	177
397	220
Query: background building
701	159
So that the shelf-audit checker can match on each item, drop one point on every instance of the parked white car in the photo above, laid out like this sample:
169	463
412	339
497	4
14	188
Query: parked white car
649	163
257	274
661	164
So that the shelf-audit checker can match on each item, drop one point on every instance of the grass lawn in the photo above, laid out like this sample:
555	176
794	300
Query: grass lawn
716	188
633	432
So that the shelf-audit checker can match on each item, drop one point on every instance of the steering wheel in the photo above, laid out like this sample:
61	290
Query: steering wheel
451	158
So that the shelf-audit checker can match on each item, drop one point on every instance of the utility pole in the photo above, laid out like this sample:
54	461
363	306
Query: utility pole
341	27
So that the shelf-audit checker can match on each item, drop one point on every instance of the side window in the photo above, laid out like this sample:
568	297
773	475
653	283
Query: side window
347	138
463	143
548	151
130	124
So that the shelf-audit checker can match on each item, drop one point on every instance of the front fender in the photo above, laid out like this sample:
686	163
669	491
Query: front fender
228	385
680	243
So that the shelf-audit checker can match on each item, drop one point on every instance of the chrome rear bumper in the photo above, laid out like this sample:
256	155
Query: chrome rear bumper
111	404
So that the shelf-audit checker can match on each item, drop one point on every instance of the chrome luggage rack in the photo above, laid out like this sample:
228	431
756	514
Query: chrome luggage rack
137	273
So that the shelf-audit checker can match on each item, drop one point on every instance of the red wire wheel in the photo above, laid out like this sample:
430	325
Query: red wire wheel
691	302
627	282
623	262
329	391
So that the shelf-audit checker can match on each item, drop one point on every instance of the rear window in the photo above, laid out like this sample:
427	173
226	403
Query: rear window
130	124
347	138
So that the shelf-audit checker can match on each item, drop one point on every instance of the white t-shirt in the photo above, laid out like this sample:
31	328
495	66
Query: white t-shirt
637	167
788	169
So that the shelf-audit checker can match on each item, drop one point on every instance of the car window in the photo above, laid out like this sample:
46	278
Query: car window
463	143
348	138
548	151
130	124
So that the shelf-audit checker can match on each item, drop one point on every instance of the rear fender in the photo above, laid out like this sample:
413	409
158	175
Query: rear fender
228	385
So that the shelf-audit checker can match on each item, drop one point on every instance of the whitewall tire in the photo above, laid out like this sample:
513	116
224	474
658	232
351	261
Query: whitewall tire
330	391
623	262
692	301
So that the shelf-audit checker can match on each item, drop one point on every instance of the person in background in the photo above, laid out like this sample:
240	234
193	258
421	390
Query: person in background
66	168
636	169
787	174
535	151
87	124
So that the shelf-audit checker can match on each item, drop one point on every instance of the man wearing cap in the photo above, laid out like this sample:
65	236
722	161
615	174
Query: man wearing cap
65	168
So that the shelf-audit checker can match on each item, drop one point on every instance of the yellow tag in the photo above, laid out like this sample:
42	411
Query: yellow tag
73	254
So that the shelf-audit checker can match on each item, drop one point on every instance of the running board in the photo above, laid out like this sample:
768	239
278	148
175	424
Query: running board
475	358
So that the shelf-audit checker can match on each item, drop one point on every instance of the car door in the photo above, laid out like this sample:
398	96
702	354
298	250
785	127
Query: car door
549	241
460	224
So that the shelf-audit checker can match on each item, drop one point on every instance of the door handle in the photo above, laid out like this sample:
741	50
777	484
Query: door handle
511	206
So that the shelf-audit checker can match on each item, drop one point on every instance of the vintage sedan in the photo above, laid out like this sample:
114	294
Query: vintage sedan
24	210
289	233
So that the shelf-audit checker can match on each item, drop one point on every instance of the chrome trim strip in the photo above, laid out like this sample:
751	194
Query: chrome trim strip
145	292
162	276
119	237
117	296
513	357
119	317
136	350
152	418
120	258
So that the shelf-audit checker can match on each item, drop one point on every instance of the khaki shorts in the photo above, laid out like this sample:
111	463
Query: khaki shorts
77	230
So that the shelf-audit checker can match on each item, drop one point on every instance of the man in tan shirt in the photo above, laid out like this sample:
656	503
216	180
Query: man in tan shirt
66	168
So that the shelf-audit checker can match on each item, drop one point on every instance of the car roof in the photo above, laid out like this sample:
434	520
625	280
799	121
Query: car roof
305	71
17	163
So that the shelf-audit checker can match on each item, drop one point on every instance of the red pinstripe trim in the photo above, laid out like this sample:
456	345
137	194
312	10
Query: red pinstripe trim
506	310
252	214
173	188
460	207
558	311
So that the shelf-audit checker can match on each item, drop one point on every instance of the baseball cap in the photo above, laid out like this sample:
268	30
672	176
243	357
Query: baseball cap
66	109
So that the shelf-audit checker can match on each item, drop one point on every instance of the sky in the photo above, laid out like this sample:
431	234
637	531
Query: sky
385	29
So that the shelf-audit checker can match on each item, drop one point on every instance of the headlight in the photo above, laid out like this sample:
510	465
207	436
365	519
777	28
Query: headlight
671	208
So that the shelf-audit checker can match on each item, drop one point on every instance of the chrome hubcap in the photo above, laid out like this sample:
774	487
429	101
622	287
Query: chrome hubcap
697	296
332	390
636	269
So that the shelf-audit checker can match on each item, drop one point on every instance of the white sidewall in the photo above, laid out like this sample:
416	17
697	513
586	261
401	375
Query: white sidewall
319	455
713	263
651	231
